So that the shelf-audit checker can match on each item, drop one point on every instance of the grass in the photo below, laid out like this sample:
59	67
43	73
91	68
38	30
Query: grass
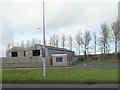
109	61
105	61
83	76
79	62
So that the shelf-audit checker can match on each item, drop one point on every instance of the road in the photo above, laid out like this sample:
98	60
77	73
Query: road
60	86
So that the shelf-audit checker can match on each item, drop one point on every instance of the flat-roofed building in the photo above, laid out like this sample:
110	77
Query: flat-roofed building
32	56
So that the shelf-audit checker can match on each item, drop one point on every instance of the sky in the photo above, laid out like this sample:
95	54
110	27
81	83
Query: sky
20	19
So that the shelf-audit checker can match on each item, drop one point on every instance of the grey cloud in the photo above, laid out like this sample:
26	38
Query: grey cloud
7	34
60	17
79	13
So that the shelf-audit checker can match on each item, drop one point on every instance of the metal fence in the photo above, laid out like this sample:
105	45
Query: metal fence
38	65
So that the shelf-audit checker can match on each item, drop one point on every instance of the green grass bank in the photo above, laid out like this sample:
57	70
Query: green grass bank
83	76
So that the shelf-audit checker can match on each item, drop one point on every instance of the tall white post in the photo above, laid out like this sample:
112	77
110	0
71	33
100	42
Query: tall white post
43	57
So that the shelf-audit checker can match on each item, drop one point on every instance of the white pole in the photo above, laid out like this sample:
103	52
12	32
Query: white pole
44	66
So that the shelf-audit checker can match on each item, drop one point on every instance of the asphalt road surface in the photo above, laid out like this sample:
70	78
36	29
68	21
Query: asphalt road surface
60	86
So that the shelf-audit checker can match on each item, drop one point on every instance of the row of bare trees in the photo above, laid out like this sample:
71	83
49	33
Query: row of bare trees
55	41
24	44
102	41
84	41
110	35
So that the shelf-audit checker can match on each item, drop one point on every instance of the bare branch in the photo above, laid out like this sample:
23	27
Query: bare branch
105	36
63	39
70	42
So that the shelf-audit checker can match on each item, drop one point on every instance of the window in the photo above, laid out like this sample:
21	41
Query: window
24	53
36	52
59	59
14	54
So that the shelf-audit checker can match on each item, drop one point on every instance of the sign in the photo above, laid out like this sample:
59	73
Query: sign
43	52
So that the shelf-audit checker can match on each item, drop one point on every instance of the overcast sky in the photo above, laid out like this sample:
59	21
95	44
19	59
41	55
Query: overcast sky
20	18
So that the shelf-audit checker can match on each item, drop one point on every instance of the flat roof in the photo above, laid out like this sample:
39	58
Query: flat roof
59	54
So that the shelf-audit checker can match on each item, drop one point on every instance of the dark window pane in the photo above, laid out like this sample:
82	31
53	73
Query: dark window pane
36	52
14	54
24	53
59	59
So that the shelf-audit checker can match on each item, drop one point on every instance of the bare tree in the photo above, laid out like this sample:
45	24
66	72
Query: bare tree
63	39
104	36
33	42
28	43
116	31
95	41
51	41
22	44
54	40
17	44
12	45
86	40
101	47
70	42
8	47
119	36
78	39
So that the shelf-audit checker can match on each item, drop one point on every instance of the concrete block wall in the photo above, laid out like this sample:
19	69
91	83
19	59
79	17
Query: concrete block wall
23	62
63	63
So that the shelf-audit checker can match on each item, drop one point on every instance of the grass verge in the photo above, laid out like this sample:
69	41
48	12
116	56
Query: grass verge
83	76
109	61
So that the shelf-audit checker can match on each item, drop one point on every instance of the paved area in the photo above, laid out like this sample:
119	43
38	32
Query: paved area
60	86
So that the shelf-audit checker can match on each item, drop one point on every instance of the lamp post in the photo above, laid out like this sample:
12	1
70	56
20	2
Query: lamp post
43	50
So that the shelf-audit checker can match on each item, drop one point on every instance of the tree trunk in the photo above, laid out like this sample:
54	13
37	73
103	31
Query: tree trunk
104	48
95	48
79	50
115	47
